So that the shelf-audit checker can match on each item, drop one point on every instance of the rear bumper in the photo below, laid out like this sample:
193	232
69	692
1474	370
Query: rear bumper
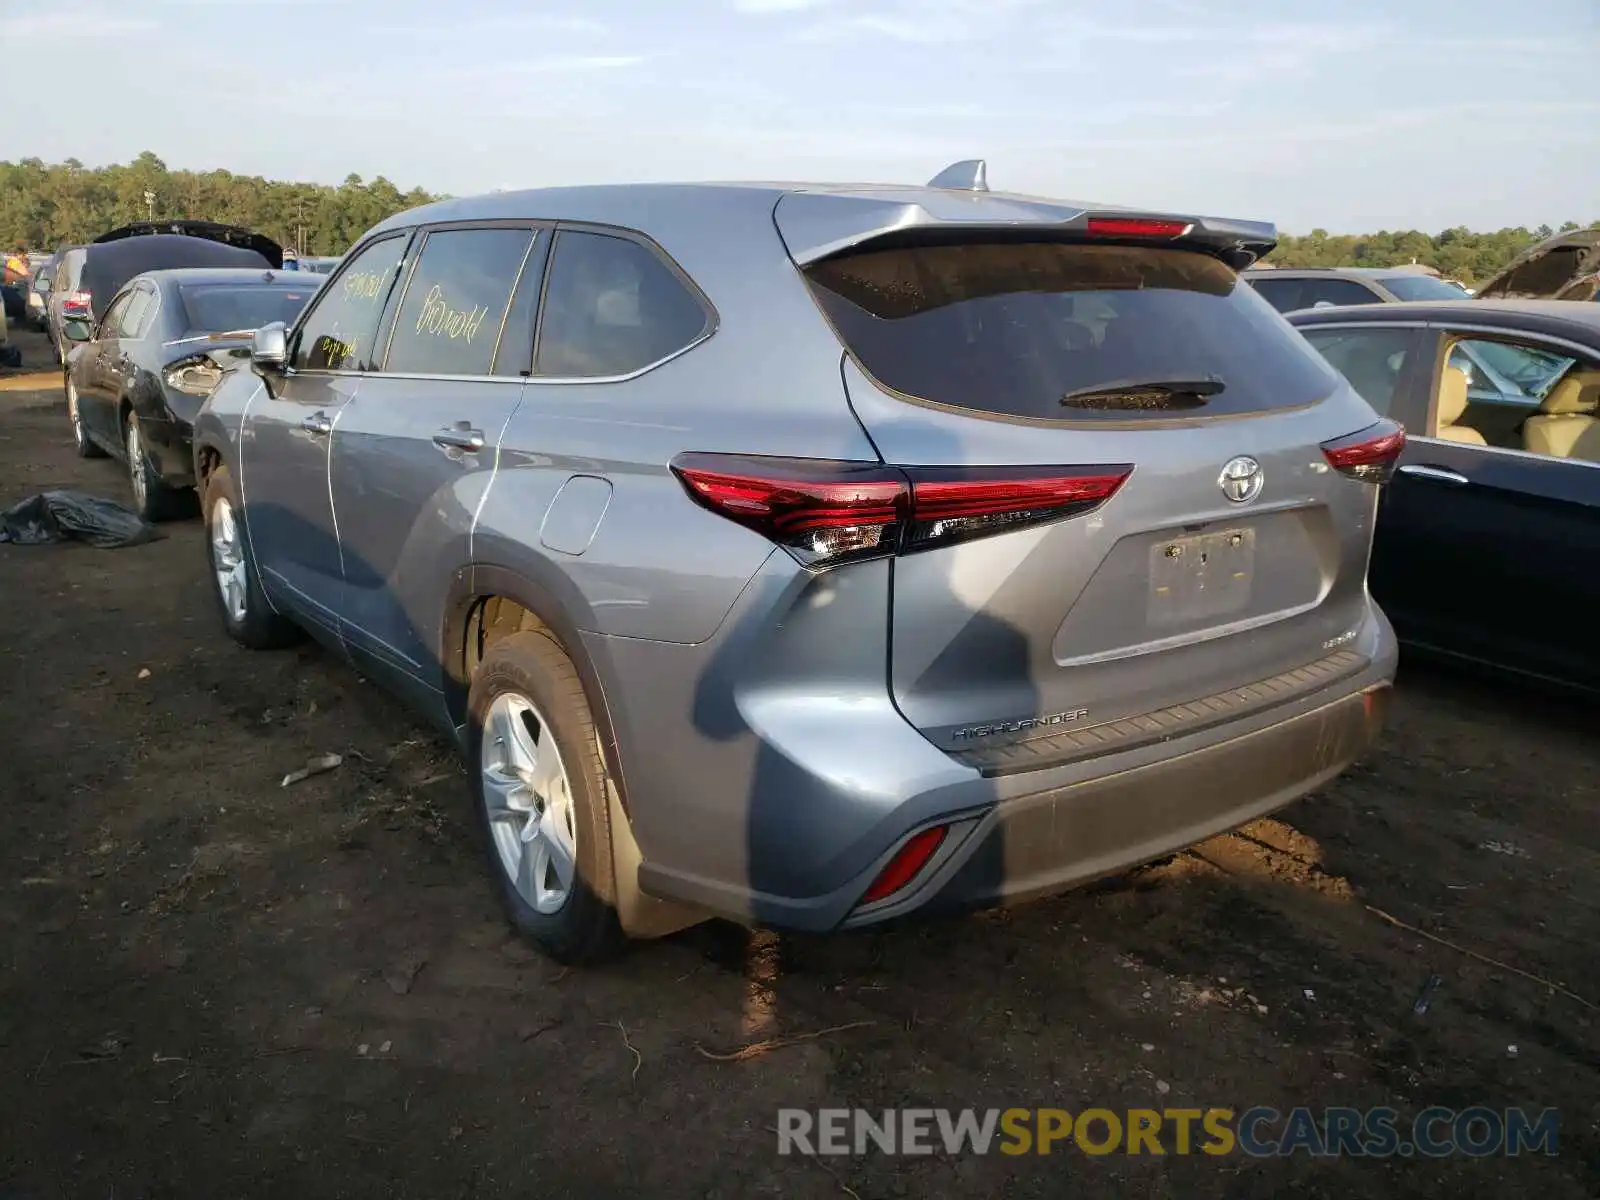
1038	833
1048	842
169	443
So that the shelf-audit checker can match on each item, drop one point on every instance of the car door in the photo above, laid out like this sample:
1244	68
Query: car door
1504	541
287	436
116	355
93	376
415	450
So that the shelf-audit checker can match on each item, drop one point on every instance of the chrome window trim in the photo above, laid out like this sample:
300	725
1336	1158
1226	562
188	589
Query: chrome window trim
1528	454
1353	324
1504	334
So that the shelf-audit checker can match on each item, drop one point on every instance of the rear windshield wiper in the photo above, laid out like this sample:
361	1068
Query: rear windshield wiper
1146	393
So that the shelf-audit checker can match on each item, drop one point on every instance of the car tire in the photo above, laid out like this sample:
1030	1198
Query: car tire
527	689
80	439
250	621
154	499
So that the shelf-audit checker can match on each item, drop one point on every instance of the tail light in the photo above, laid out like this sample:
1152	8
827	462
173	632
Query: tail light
1137	227
906	864
76	304
827	512
197	376
1369	455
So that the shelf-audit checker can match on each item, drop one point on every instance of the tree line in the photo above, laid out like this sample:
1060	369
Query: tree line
45	205
1456	253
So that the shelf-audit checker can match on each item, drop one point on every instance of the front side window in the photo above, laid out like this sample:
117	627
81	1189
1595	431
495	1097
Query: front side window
1066	331
612	307
338	333
456	301
1371	359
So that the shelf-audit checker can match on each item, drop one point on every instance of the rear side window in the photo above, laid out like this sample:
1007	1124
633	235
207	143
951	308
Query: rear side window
1372	359
1291	295
136	315
456	301
1067	332
1282	294
612	307
219	308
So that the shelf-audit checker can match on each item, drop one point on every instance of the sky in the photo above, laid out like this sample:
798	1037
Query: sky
1352	117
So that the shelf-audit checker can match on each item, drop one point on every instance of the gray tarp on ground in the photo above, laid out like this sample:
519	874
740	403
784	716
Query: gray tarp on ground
62	516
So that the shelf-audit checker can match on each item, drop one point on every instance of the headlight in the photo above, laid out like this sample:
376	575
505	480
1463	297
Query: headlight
195	376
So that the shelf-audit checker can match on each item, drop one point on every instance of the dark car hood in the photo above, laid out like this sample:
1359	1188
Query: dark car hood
109	265
1549	269
213	231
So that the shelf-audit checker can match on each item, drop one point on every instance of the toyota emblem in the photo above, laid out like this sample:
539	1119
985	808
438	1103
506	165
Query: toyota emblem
1241	479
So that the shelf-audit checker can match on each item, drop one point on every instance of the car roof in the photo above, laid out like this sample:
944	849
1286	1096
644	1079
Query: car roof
227	275
1363	272
1551	316
814	219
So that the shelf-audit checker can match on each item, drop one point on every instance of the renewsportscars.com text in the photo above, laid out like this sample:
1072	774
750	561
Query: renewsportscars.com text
1258	1132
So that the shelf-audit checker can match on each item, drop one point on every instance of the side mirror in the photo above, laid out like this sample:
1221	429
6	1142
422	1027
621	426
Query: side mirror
269	347
75	330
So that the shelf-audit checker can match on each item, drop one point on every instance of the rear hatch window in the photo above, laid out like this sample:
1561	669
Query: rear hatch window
1058	331
217	308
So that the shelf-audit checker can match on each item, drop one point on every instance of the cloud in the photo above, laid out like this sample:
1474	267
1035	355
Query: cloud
73	24
501	26
762	7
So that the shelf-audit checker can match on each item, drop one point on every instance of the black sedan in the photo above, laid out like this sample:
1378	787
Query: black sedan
1488	539
138	376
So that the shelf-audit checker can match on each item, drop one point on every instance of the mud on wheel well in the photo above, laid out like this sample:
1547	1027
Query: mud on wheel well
207	460
493	618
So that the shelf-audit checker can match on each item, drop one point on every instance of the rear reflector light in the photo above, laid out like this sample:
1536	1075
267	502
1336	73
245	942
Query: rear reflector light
906	864
76	304
1136	227
826	512
1368	455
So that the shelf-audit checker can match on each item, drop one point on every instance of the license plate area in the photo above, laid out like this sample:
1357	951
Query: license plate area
1201	577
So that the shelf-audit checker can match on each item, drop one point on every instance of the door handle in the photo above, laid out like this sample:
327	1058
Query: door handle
317	423
459	437
1434	474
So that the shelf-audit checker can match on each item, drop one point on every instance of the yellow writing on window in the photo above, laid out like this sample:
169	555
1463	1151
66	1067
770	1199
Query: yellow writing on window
335	352
439	319
363	285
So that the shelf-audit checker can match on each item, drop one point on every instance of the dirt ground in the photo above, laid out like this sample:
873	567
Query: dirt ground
214	986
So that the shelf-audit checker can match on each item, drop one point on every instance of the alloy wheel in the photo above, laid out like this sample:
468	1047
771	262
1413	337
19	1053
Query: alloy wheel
227	559
529	800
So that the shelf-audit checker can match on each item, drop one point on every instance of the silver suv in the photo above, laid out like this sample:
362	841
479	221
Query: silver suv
810	555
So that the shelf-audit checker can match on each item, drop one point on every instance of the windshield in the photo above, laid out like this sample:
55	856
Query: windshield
1422	287
219	307
1066	331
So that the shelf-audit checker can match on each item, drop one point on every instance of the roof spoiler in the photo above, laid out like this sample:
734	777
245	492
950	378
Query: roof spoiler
1238	243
